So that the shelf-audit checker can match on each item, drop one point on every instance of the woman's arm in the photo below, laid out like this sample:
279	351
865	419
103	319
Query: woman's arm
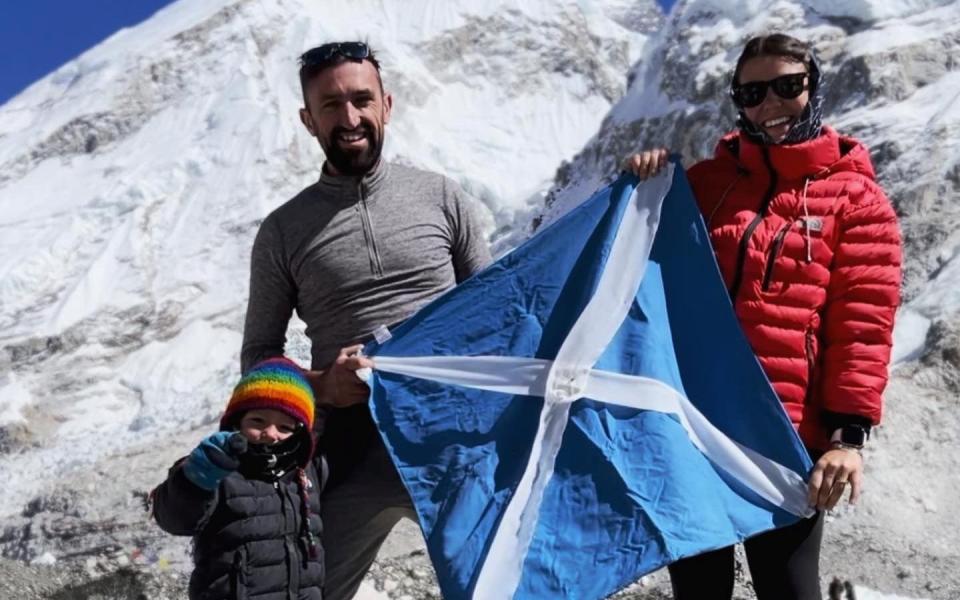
857	330
862	299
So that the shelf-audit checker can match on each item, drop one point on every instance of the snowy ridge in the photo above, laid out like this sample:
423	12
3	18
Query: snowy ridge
133	178
891	83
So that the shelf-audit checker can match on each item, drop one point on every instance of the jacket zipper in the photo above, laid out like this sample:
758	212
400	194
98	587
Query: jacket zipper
745	240
772	258
239	574
293	578
808	349
373	252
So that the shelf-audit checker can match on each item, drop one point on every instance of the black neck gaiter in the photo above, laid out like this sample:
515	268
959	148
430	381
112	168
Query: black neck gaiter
270	462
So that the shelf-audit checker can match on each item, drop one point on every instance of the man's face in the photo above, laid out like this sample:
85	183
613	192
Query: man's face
347	111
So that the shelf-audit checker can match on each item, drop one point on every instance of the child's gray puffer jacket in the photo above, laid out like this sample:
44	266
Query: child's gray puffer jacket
249	538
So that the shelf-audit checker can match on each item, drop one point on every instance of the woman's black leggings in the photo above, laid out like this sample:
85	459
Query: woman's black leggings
784	565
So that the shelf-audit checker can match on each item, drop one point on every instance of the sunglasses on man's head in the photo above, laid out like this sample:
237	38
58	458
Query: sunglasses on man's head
752	93
327	52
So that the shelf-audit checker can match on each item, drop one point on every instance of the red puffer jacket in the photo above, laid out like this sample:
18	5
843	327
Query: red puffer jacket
809	248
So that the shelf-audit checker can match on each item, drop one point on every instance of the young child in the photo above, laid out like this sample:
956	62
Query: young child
250	493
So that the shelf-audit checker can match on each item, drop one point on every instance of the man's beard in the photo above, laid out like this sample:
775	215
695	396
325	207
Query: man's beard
352	162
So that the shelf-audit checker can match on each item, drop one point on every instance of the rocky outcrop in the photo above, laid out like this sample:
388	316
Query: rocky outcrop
137	179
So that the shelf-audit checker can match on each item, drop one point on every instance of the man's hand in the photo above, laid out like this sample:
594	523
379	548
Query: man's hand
338	385
834	472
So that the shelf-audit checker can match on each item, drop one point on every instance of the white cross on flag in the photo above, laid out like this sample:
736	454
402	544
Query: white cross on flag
587	409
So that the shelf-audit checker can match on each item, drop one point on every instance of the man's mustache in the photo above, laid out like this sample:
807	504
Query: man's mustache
363	128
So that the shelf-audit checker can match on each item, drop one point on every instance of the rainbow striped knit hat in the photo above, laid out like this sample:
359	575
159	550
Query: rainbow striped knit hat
277	383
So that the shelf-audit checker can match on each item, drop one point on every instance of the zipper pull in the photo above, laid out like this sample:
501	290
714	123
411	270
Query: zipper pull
806	222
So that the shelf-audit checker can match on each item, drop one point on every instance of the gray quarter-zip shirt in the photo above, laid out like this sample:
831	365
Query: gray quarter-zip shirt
350	254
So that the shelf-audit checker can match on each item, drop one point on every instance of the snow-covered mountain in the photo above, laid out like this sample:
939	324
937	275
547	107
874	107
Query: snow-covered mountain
133	178
132	181
893	81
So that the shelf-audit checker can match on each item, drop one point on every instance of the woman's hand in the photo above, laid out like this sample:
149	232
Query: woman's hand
836	470
646	163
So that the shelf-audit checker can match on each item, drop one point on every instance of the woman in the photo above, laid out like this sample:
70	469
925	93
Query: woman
809	248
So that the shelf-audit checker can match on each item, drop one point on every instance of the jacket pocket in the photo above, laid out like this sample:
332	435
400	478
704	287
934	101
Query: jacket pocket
238	574
775	247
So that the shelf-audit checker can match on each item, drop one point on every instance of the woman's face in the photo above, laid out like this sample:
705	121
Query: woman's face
775	115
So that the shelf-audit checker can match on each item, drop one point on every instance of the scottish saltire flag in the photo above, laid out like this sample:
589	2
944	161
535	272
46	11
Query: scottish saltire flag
587	409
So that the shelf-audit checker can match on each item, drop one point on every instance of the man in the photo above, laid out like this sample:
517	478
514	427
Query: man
366	245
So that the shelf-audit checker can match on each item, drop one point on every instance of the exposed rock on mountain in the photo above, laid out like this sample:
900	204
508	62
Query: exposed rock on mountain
132	181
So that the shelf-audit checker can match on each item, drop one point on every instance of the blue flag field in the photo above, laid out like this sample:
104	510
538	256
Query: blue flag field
586	410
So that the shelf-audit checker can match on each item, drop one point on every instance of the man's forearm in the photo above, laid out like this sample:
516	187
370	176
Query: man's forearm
253	353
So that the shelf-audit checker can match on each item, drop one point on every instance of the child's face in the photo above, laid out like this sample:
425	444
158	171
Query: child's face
267	426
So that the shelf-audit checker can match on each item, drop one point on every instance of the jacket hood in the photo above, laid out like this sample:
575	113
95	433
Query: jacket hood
819	157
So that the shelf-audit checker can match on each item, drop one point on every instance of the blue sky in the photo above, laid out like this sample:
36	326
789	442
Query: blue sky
37	36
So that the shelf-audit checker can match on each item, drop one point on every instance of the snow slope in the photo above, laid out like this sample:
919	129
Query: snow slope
132	181
891	80
133	178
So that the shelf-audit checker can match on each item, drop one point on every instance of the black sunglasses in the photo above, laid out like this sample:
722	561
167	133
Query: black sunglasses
323	54
750	94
